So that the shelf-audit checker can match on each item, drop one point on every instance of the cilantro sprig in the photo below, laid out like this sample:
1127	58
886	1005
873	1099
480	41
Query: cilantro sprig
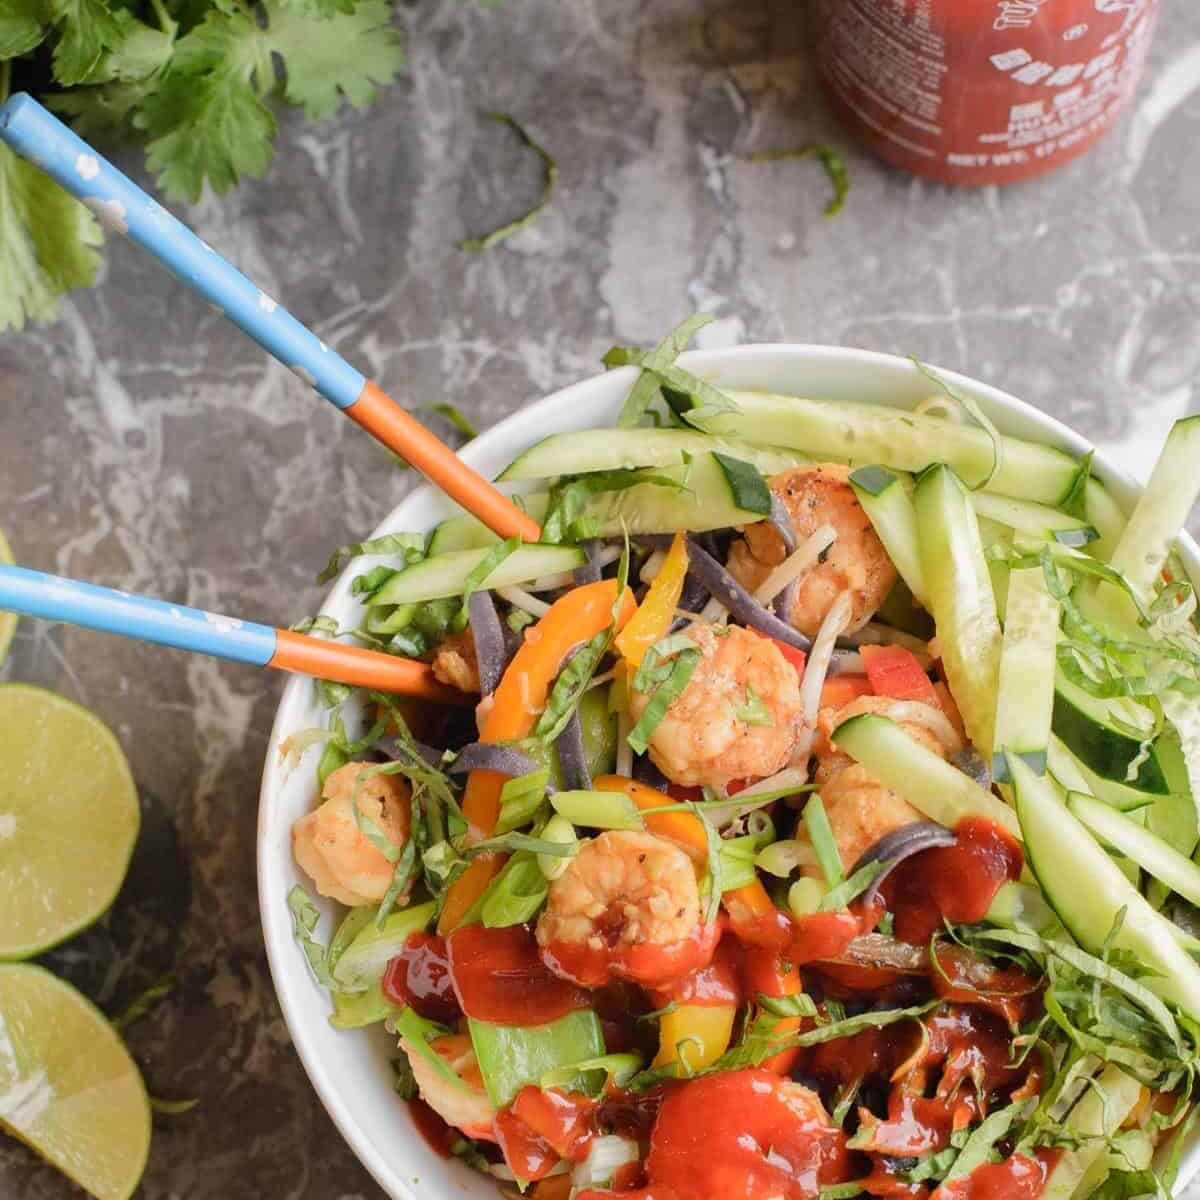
196	83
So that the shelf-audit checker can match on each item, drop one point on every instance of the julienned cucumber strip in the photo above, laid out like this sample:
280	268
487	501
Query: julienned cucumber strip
1152	853
960	597
1162	509
469	533
1103	734
1027	664
1037	519
885	498
618	449
903	441
1096	1117
1088	891
929	783
446	574
714	491
1105	516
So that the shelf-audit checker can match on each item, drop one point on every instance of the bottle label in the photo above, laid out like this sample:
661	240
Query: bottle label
1001	87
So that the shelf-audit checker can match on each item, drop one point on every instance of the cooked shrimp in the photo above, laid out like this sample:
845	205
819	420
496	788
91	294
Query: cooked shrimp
628	907
329	846
738	717
455	664
468	1107
819	495
860	809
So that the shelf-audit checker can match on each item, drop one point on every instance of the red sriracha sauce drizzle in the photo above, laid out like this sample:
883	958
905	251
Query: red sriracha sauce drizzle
498	976
649	963
419	978
956	882
1017	1178
745	1134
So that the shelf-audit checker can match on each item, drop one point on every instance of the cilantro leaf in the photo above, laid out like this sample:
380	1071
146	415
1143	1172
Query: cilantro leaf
47	243
22	27
342	56
87	29
100	111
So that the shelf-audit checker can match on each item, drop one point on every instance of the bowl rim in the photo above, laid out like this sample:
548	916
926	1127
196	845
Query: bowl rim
705	363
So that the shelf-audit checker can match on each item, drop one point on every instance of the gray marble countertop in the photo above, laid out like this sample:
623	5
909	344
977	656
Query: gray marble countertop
146	445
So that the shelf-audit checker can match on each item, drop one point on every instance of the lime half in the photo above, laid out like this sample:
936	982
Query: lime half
68	819
68	1087
8	620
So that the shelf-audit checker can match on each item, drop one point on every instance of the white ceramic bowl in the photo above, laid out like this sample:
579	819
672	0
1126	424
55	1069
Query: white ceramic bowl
351	1069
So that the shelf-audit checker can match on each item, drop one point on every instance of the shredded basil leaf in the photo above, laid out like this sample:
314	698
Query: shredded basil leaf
753	711
549	182
681	671
144	1003
799	1004
832	162
479	575
646	388
456	418
305	919
971	406
409	546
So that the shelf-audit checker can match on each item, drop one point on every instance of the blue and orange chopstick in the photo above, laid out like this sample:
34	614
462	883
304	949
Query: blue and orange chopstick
121	206
53	598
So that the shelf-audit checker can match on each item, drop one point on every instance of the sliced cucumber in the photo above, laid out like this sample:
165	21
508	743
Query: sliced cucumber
929	783
1037	519
1150	852
1074	776
1104	735
960	598
1162	509
618	449
1105	516
886	499
1099	1113
362	963
904	441
469	533
901	611
446	574
716	491
1025	699
1088	891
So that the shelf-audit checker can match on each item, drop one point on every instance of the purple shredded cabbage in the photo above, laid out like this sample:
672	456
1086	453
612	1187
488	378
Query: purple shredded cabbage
739	601
486	756
781	519
590	571
893	848
572	757
491	653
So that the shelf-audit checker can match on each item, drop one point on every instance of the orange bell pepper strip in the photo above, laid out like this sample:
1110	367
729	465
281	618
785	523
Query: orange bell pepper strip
517	703
555	1187
654	616
840	690
897	673
685	829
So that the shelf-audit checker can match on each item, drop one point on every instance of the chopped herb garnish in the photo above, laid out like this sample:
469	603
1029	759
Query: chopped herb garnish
824	844
753	711
647	387
408	546
832	162
305	919
549	182
456	418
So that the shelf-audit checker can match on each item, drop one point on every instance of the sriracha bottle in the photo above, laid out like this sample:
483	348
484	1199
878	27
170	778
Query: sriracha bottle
981	91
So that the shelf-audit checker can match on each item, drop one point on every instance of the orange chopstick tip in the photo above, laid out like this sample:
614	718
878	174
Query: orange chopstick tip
361	668
384	419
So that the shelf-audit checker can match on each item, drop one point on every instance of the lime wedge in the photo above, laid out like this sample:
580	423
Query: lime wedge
8	620
68	1087
68	819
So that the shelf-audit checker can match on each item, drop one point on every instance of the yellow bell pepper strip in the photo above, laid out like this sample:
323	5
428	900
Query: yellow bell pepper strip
694	1035
516	705
652	621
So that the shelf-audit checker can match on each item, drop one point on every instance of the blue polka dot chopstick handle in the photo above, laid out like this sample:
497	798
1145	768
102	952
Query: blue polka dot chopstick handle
122	207
53	598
